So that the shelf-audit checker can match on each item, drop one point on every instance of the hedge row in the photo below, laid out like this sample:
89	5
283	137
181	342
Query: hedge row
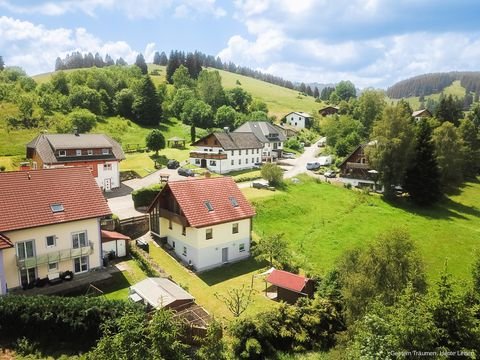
50	319
147	264
144	196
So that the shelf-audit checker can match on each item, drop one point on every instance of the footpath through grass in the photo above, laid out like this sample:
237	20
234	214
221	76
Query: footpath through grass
321	221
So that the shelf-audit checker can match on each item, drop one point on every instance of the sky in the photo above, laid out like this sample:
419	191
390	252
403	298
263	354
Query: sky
373	43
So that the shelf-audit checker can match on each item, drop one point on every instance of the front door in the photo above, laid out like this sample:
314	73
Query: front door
121	250
107	184
203	163
225	255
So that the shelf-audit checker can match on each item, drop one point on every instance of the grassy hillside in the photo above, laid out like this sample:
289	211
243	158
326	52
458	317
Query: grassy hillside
331	219
280	100
455	90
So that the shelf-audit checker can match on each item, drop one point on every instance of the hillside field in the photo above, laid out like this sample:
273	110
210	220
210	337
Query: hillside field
330	219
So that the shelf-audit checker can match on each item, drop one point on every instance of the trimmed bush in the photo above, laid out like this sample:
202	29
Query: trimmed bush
49	319
144	196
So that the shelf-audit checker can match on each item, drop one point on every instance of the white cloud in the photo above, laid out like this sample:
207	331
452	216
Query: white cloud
149	52
132	9
371	42
35	48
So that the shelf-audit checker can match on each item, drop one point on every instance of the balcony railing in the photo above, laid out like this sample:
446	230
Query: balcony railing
354	165
54	256
174	217
205	155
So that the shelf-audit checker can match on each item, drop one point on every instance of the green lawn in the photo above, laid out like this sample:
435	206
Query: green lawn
203	286
321	221
117	289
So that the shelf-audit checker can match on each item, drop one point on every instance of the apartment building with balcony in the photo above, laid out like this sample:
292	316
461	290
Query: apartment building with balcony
223	152
49	223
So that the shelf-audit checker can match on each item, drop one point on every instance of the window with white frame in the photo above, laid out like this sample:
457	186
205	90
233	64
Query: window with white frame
80	264
253	160
105	151
239	152
246	152
25	249
233	162
51	241
184	231
258	160
239	161
62	153
78	152
184	253
170	224
241	247
209	234
213	163
246	161
79	239
197	161
107	167
235	228
90	152
258	151
53	266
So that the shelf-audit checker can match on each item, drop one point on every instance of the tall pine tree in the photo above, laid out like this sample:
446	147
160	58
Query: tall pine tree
146	107
422	179
140	62
156	58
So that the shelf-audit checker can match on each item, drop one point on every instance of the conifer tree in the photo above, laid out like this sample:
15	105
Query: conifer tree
156	58
140	62
146	107
422	180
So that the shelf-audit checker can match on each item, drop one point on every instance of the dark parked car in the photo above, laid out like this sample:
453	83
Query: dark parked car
185	172
173	164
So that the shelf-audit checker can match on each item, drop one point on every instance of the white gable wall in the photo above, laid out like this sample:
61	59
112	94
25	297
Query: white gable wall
296	120
205	254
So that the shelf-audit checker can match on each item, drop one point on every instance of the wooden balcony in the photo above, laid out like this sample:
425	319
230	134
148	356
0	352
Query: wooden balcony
206	155
354	165
167	214
54	256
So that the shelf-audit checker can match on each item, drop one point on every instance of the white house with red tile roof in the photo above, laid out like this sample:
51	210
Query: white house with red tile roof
208	222
49	223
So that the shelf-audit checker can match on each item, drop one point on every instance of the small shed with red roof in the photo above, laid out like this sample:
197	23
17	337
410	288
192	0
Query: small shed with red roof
290	286
114	242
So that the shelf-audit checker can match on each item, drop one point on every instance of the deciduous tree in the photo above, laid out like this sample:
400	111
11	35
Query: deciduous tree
272	173
448	151
391	147
272	248
237	300
155	141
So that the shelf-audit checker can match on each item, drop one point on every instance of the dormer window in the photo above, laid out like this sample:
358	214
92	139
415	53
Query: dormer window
62	153
208	205
78	152
90	152
105	151
56	208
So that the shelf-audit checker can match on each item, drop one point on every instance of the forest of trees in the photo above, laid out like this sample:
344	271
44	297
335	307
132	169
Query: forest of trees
428	84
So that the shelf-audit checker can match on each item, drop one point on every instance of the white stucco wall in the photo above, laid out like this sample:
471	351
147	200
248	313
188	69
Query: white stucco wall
296	121
203	253
63	233
113	174
236	159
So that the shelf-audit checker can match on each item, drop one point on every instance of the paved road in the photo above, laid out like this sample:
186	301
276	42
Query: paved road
120	200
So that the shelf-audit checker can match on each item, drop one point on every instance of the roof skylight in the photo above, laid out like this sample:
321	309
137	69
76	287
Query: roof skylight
233	201
208	205
56	208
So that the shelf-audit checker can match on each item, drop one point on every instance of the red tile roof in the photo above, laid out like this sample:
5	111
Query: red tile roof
26	197
113	235
287	280
191	195
5	242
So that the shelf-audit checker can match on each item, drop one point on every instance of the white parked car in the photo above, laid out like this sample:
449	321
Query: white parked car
313	165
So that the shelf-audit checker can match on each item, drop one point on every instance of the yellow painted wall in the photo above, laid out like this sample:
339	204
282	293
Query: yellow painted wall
63	232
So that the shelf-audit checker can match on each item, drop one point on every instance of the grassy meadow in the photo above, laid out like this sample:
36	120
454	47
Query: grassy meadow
321	221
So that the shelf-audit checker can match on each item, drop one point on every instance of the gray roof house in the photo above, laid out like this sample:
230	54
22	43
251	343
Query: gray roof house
98	152
271	136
